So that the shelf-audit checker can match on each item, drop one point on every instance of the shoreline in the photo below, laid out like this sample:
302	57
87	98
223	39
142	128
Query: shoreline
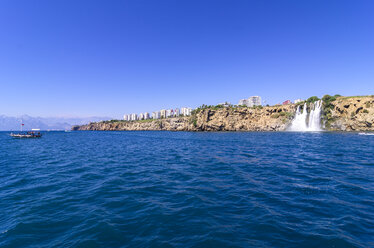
346	114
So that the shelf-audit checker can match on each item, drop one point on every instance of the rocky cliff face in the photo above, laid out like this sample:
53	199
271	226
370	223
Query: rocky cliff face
343	114
274	118
351	114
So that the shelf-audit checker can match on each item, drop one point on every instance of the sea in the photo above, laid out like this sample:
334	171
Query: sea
187	189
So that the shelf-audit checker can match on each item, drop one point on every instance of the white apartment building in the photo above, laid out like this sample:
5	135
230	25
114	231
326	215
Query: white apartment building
169	112
146	116
298	100
156	115
141	116
163	113
186	111
134	117
251	101
243	102
254	101
177	112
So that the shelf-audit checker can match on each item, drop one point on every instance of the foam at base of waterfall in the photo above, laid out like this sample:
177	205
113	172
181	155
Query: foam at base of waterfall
307	122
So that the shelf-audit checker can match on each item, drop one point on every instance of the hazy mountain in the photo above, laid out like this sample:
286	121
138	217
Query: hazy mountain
8	123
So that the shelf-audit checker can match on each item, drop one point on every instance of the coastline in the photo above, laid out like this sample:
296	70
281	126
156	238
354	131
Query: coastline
343	114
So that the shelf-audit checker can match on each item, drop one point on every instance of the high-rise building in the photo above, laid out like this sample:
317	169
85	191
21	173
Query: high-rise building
254	101
146	116
251	101
134	117
156	115
163	113
243	102
186	111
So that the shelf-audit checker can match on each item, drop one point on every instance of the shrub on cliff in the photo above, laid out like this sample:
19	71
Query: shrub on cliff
327	106
312	99
286	114
327	101
300	103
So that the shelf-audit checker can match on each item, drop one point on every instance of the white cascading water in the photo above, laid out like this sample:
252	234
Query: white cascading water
302	123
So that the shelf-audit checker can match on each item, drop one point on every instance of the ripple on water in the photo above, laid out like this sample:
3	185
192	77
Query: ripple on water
173	189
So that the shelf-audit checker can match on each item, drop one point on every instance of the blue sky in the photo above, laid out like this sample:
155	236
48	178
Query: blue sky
107	58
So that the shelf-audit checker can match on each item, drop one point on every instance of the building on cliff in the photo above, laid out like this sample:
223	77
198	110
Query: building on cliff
156	115
126	117
286	102
163	113
251	101
134	117
186	111
243	102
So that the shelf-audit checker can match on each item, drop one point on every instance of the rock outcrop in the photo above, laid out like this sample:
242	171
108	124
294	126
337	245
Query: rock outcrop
342	114
351	114
274	118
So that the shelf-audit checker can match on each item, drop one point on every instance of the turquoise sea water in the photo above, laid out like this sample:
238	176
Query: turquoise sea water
179	189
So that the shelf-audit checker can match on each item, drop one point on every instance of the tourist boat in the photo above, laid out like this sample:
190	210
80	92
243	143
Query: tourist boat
34	133
26	135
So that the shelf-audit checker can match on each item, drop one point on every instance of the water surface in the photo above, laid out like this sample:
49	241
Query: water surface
180	189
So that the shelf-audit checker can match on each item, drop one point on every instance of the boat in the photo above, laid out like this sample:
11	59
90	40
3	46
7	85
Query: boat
34	133
26	135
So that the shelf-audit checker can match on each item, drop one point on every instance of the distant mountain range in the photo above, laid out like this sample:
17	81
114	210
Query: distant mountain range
8	123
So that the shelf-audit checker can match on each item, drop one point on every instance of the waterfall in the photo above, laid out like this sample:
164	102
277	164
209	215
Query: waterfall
304	122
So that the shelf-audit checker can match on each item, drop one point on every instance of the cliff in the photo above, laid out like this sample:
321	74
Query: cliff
350	114
340	114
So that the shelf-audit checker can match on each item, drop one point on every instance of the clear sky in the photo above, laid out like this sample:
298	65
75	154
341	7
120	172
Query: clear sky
107	58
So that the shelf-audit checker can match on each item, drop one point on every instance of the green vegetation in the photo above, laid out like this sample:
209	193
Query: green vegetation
112	121
282	114
365	111
300	103
327	107
220	106
347	97
193	120
202	107
327	102
312	99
